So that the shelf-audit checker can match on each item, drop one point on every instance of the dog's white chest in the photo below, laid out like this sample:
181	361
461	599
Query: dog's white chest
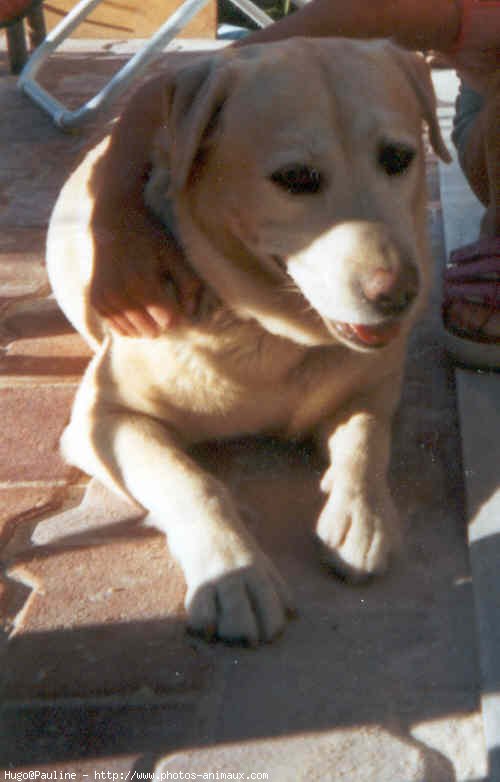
212	385
222	385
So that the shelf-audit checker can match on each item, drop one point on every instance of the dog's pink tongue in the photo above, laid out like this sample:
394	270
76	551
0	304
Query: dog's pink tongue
376	335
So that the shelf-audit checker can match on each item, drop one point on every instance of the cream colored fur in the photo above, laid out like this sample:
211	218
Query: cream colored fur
286	271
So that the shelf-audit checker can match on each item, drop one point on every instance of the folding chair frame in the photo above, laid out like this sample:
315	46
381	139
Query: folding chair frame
68	119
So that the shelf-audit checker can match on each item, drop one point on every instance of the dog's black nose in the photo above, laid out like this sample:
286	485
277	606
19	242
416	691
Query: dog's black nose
392	291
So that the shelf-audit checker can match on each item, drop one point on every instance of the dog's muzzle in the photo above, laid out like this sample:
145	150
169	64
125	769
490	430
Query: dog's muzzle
390	294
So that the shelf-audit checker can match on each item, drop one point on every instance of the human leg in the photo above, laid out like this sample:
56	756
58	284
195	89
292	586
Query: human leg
471	306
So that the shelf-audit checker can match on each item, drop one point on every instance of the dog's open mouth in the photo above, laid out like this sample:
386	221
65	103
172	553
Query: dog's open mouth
355	334
373	336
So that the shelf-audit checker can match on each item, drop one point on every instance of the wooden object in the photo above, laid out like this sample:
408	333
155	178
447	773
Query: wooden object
132	19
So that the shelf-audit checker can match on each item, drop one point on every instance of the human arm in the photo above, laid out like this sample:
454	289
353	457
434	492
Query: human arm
415	24
134	257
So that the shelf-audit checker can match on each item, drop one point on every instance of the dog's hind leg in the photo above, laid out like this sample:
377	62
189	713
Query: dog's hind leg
233	590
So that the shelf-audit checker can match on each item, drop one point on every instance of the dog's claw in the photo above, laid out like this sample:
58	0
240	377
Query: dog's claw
248	606
355	540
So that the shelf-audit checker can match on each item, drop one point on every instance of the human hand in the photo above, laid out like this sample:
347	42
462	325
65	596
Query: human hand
141	282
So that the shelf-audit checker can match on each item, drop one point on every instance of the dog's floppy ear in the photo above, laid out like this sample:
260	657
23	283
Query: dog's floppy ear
193	99
418	74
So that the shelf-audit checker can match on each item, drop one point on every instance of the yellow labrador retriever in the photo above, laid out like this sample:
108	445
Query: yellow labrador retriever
296	175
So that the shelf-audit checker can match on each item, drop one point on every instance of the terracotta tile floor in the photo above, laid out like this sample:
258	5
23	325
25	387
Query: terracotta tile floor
97	671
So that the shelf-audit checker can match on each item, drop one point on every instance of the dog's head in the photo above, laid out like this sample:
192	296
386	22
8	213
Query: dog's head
297	171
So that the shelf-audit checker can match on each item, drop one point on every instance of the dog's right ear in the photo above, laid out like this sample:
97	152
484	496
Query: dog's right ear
194	98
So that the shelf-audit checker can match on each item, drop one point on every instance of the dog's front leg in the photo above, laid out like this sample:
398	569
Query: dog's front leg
233	590
358	527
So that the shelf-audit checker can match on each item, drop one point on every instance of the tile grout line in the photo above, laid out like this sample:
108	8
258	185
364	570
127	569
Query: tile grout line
37	484
29	382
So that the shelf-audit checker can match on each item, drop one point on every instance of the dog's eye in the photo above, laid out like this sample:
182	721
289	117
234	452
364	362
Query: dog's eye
395	159
298	179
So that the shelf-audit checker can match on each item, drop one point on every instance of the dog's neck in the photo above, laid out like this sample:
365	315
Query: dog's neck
247	287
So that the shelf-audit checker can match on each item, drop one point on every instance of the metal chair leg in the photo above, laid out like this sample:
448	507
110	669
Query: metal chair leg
68	119
36	27
16	45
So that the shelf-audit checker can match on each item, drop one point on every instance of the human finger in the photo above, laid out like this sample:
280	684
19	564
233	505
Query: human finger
164	314
121	324
141	323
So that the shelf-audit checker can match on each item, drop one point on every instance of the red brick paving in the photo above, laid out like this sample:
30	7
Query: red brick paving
100	618
33	418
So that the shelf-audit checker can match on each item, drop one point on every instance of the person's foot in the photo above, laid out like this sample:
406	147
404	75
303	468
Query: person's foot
471	304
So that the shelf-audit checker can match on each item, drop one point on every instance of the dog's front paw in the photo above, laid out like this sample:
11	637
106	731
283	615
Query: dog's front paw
357	536
247	605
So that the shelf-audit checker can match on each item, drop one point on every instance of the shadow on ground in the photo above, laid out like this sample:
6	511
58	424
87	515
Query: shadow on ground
391	654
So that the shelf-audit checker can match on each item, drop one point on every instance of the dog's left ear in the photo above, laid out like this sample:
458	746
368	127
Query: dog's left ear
418	74
194	97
